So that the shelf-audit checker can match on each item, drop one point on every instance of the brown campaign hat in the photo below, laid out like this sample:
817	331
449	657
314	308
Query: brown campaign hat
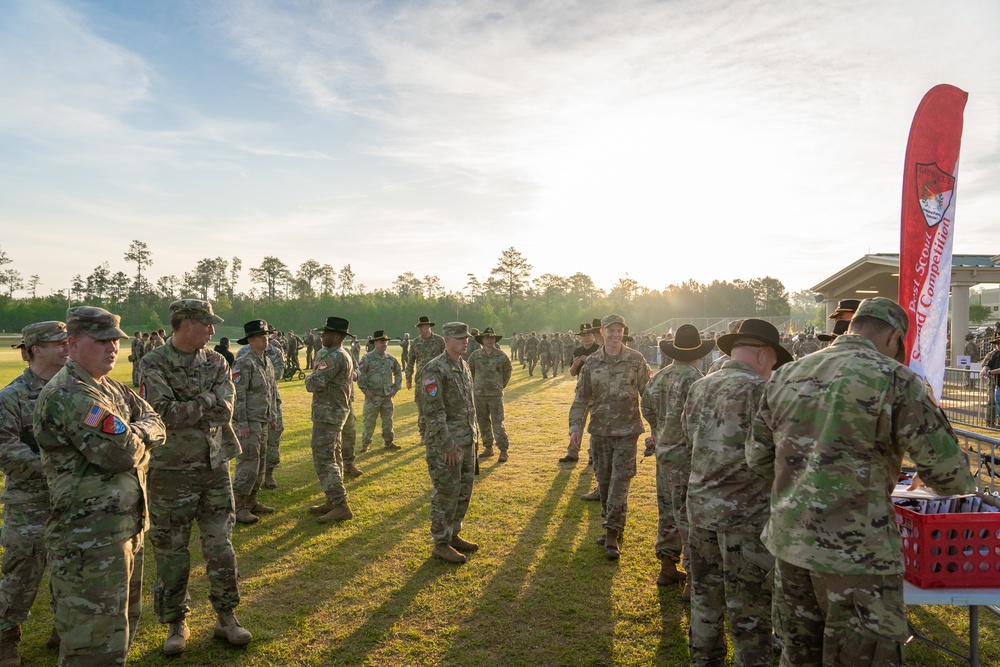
687	344
487	332
96	322
761	330
379	335
194	309
255	328
338	325
845	306
41	332
423	319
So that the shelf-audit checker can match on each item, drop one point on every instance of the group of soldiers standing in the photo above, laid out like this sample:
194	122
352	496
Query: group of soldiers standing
772	476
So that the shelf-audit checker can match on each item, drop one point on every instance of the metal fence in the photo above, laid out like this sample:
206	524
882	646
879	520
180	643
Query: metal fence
967	399
984	456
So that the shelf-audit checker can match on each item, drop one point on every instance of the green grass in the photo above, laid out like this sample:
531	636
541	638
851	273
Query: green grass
366	592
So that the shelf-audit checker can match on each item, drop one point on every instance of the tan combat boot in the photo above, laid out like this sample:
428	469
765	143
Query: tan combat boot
340	512
353	470
487	453
447	553
10	645
464	546
269	482
593	495
257	507
243	513
228	628
327	506
503	457
176	641
669	574
611	549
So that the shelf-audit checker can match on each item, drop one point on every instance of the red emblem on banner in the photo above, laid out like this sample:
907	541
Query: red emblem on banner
934	191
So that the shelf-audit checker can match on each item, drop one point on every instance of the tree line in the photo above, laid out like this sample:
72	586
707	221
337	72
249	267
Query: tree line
508	298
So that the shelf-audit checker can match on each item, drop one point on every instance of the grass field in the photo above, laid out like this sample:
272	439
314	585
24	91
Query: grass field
367	592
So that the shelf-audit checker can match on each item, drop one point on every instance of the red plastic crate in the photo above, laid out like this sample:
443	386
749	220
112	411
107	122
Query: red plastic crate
960	550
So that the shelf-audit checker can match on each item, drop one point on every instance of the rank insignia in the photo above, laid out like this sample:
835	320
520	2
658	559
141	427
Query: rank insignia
95	416
236	376
431	386
113	425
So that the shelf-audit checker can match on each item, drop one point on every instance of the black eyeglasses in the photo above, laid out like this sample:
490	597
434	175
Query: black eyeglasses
750	345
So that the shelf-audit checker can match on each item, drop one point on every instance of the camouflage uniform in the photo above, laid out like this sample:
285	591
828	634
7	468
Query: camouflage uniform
569	344
831	431
531	345
273	456
134	357
332	386
473	345
255	409
422	350
25	501
382	376
451	423
491	373
95	439
727	507
545	356
663	407
189	476
309	342
610	387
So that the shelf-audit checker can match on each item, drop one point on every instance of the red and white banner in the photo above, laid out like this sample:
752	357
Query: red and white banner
927	228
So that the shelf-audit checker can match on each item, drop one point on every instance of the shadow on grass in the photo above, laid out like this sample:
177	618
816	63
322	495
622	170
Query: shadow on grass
540	572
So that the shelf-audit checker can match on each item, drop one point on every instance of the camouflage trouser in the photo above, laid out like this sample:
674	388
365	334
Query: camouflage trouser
452	492
677	482
418	395
547	364
614	465
98	601
731	576
348	440
489	414
668	538
328	458
532	362
135	373
250	463
23	561
380	406
309	356
273	456
178	498
839	619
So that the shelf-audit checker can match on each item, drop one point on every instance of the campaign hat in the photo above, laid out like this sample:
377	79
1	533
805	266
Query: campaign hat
96	322
761	330
845	306
42	332
379	335
488	331
839	329
194	309
585	329
255	328
687	344
423	319
338	325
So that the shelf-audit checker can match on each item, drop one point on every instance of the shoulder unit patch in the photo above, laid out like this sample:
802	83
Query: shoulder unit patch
431	385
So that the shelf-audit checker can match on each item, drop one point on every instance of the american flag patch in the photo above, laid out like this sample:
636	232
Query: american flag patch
95	415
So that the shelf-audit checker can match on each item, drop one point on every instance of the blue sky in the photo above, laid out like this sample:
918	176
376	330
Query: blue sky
670	140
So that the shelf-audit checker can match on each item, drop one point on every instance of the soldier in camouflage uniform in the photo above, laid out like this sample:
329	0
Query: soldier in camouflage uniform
727	503
309	342
473	344
545	356
95	436
423	348
569	344
191	388
491	370
380	377
451	440
25	497
663	407
531	345
134	356
611	382
273	456
332	385
831	432
255	414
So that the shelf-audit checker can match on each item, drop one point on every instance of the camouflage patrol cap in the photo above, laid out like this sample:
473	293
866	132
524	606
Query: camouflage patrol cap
456	330
96	322
41	332
886	310
608	320
194	309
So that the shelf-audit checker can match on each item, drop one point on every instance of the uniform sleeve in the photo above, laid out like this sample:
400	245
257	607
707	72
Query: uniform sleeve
108	441
581	401
923	429
177	411
18	449
643	375
145	420
408	363
507	370
363	369
319	379
242	376
397	375
436	432
225	395
647	405
759	447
